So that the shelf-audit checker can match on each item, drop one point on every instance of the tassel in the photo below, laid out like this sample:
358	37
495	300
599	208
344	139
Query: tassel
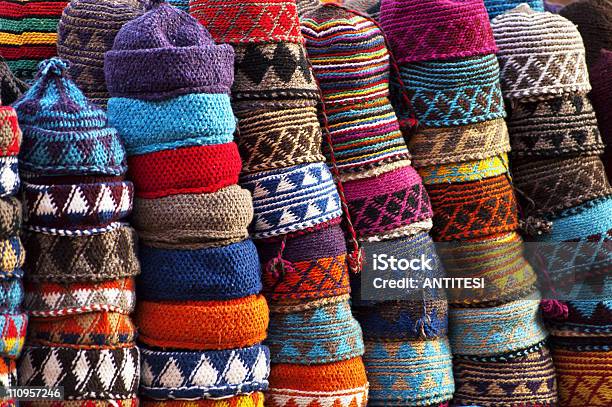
278	267
355	260
554	309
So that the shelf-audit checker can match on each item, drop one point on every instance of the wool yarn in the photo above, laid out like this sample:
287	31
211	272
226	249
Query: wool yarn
187	60
414	29
10	217
10	132
553	127
9	176
541	55
455	92
466	171
85	32
576	373
409	372
12	257
273	136
194	220
210	374
497	7
188	170
94	330
291	199
203	325
342	384
13	328
593	18
602	85
526	380
457	144
57	299
11	88
219	273
250	21
492	209
110	373
314	266
496	330
28	34
370	8
255	399
314	332
11	295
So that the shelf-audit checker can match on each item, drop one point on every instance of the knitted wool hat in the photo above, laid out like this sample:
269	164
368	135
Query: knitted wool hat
368	7
11	295
414	28
11	88
541	54
351	62
583	316
86	31
409	372
9	176
210	374
526	380
255	399
466	171
8	372
28	34
249	21
10	217
13	329
108	373
12	257
306	6
185	58
455	92
576	370
10	132
601	78
63	132
342	384
593	18
497	7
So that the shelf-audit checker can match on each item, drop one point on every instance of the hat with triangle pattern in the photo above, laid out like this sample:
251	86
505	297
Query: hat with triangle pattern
63	132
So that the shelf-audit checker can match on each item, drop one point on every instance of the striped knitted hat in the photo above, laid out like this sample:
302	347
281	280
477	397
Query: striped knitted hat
63	132
541	54
86	31
497	7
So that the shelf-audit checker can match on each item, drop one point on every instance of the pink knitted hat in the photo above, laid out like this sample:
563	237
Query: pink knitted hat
436	29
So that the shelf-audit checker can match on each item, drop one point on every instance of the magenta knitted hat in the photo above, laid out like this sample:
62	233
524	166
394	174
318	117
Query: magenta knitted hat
427	30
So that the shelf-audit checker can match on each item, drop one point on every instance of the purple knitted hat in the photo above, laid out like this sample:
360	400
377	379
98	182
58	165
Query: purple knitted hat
167	53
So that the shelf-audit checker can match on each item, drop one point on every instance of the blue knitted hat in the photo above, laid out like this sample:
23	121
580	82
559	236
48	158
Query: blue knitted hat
63	133
497	7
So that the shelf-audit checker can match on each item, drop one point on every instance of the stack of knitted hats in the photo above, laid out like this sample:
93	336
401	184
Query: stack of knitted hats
28	33
81	258
556	166
13	320
86	31
200	316
315	343
407	355
496	333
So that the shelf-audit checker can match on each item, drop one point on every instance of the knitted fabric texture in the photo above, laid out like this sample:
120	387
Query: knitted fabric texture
63	132
446	145
210	374
10	132
584	316
418	373
370	8
203	325
455	92
57	299
250	21
314	266
414	29
92	330
188	170
466	171
8	372
12	334
593	18
84	374
65	259
527	380
601	75
194	220
390	201
183	121
219	273
12	257
490	331
255	399
342	384
11	88
9	176
553	185
497	7
541	55
558	126
351	62
498	260
28	34
86	31
473	209
80	206
315	332
131	402
583	377
10	217
273	136
11	295
273	71
292	199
